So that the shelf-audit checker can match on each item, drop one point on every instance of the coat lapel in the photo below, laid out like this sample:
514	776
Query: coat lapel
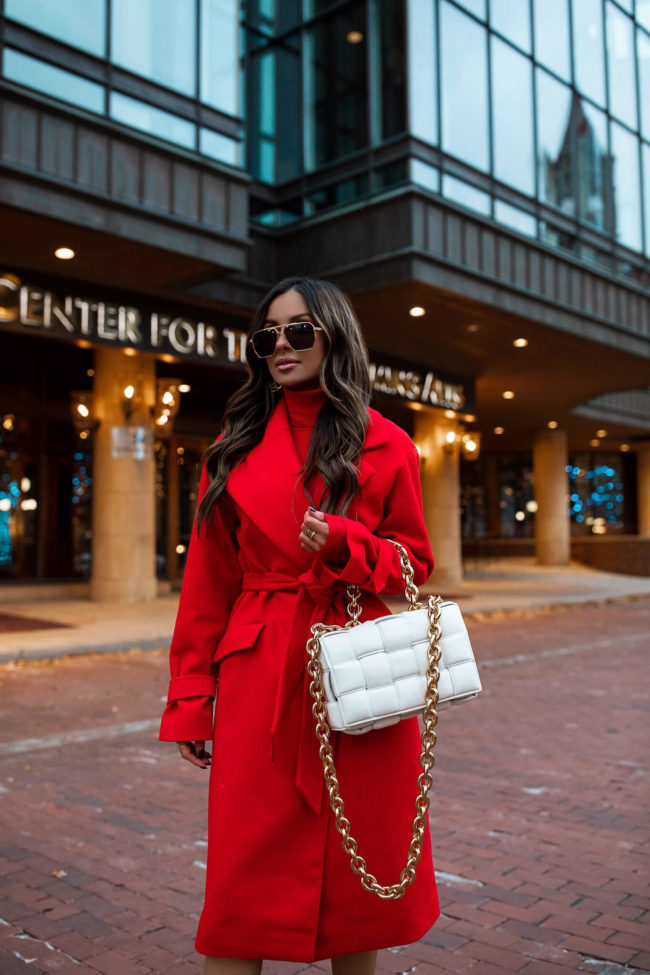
268	487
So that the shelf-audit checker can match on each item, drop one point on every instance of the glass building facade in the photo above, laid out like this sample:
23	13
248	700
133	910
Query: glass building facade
169	68
534	114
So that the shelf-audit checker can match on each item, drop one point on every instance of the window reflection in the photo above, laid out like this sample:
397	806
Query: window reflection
392	68
219	146
145	117
510	17
620	65
220	55
592	165
512	113
643	53
552	35
156	39
261	116
422	71
588	48
474	6
643	13
554	142
335	86
464	87
468	196
646	194
52	81
627	195
425	175
81	23
515	218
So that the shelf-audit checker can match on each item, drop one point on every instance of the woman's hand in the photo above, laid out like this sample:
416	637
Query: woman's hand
314	530
194	752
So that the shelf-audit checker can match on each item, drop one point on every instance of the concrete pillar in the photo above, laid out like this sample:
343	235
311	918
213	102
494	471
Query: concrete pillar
643	488
124	525
552	523
441	498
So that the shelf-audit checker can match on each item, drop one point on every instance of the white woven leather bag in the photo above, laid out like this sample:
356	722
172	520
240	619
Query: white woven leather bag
373	674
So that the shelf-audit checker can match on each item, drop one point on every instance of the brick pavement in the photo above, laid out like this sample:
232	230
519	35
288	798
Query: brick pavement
539	832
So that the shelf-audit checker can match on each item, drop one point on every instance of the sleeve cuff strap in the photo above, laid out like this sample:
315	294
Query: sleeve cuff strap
192	686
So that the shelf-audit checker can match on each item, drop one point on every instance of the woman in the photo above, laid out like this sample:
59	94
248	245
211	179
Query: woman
297	500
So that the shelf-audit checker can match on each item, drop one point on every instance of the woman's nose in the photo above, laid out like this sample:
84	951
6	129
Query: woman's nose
281	342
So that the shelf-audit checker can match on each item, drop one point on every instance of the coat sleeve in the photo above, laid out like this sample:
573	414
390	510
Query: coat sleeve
354	554
211	584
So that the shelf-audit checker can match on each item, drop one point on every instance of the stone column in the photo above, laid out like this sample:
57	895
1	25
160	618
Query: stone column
441	497
643	489
552	523
124	525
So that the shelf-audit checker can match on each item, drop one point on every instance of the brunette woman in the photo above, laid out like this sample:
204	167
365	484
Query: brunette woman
298	498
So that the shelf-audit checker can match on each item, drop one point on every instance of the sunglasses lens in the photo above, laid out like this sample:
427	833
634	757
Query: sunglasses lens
264	342
300	336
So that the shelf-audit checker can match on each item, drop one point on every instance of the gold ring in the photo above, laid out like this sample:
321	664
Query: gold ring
311	533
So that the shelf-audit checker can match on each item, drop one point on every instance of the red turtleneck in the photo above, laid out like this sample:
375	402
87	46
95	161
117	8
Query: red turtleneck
303	406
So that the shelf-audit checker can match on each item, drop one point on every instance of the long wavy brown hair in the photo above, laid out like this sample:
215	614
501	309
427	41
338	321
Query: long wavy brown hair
340	427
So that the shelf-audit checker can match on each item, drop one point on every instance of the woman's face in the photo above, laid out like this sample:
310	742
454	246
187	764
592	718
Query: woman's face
295	370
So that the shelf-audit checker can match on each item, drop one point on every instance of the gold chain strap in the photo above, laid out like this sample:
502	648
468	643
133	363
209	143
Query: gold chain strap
430	719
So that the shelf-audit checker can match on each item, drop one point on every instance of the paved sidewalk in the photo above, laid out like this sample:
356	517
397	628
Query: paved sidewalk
498	586
538	824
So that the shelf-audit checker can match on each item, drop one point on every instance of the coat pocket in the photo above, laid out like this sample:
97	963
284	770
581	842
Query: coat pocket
241	636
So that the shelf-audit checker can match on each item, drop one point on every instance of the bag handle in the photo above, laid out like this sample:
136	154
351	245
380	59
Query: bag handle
429	736
411	591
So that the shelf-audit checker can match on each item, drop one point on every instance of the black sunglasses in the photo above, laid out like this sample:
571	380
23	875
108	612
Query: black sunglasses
300	336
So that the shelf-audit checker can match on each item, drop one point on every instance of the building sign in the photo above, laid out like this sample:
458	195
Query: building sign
28	308
131	443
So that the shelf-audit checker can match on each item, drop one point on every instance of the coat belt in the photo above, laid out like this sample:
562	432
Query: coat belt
292	707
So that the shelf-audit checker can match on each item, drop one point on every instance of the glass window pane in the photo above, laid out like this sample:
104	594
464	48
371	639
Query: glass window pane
425	175
554	142
643	13
336	86
147	118
81	23
393	69
512	92
288	144
475	6
515	218
588	44
468	196
646	195
552	36
620	63
627	194
53	81
591	165
260	116
156	39
510	17
422	71
643	51
219	55
464	87
219	146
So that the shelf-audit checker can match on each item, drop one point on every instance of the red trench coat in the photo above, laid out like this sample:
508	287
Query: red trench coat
278	884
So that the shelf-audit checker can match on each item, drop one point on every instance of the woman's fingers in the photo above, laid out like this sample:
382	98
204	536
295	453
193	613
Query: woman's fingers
314	530
195	753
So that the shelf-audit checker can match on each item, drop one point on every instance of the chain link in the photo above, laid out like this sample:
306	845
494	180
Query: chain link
429	736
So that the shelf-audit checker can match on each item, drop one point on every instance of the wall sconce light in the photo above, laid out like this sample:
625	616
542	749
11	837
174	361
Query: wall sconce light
128	396
83	415
471	445
451	440
168	401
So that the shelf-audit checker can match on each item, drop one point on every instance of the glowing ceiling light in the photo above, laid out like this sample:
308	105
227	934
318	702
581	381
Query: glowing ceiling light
601	433
354	37
417	311
498	431
508	394
64	253
552	424
520	343
184	388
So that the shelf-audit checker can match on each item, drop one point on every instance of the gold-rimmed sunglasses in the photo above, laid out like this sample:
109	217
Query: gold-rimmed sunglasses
299	335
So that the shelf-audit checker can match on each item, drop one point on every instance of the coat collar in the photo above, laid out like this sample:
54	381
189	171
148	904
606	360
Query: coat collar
268	487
